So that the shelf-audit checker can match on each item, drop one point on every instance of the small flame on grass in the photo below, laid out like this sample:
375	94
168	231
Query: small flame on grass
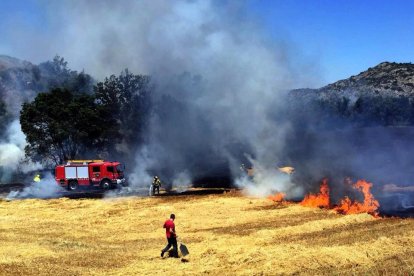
277	198
370	204
321	199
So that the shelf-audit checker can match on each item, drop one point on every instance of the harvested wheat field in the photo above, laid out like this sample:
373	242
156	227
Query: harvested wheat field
226	234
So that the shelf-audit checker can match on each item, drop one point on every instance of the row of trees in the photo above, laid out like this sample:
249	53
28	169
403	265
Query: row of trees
339	112
66	123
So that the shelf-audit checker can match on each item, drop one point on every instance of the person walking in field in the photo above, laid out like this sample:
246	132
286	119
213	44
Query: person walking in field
171	236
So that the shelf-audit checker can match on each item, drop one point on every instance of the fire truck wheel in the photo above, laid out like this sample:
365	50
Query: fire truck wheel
72	185
105	184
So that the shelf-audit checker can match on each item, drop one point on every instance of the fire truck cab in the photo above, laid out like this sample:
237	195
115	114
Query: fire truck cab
90	173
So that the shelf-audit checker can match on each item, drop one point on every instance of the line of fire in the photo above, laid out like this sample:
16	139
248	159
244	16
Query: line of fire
88	178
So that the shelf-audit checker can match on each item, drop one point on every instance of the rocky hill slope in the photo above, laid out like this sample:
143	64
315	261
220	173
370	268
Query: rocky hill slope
21	81
7	62
385	79
381	95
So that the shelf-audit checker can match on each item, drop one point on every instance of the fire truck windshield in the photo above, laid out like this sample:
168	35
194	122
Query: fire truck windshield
119	168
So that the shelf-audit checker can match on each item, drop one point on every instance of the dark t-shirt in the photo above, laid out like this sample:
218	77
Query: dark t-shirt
169	224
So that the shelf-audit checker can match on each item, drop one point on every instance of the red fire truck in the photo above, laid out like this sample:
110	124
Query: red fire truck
90	173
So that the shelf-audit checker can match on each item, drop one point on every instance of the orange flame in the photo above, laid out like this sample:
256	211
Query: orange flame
278	197
370	204
320	200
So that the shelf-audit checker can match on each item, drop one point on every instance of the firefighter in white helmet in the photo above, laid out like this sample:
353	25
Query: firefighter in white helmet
36	178
156	184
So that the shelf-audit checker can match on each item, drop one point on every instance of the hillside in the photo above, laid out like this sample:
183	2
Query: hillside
381	95
386	79
17	79
226	235
7	62
21	81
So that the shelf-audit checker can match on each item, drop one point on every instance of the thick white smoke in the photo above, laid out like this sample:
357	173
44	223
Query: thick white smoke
12	148
12	152
139	180
181	182
46	188
267	179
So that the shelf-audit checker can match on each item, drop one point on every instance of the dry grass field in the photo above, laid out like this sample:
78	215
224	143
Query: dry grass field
227	234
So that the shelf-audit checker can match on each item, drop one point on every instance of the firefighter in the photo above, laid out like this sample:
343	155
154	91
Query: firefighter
243	168
156	184
36	178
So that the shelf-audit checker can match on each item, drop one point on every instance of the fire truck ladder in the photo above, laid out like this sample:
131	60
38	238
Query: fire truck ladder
84	162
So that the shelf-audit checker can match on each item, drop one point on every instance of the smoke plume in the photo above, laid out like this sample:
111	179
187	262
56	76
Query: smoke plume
12	153
218	79
46	188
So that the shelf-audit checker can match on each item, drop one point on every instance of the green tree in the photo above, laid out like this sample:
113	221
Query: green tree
56	74
60	126
127	97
